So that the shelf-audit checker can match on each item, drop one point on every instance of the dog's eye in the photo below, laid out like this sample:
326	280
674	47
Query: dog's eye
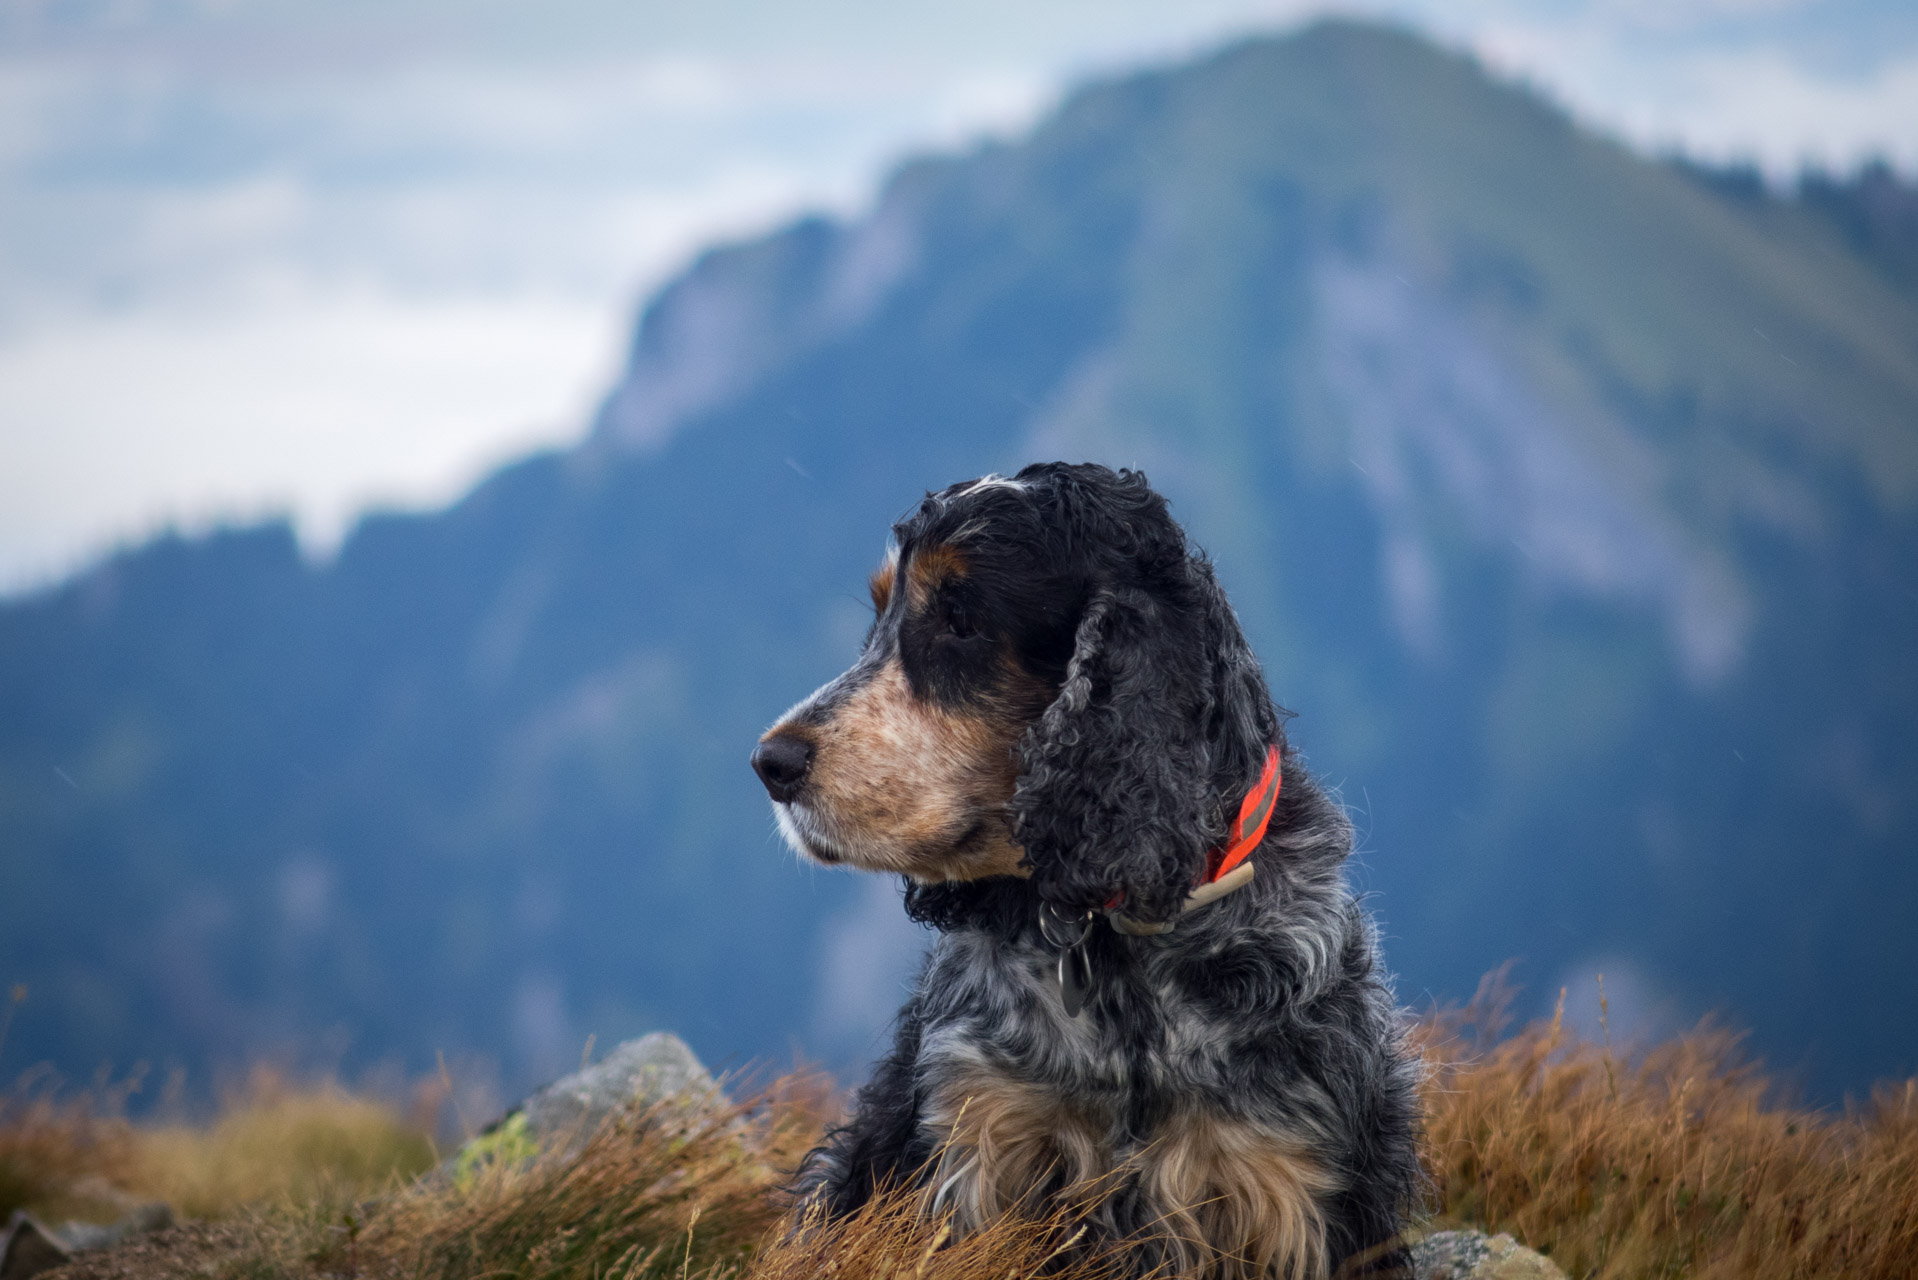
958	621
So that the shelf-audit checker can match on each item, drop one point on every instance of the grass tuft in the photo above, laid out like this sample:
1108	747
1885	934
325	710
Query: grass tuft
889	1240
279	1142
56	1154
1672	1162
274	1142
663	1192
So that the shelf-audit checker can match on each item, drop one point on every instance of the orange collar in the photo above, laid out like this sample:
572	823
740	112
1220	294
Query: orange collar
1226	867
1255	815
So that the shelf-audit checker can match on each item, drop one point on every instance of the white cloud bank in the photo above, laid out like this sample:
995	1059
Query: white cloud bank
271	257
316	407
1762	104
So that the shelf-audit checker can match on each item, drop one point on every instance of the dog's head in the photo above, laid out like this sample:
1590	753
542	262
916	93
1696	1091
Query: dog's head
1053	686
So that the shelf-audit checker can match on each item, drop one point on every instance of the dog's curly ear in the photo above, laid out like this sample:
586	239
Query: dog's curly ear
1119	796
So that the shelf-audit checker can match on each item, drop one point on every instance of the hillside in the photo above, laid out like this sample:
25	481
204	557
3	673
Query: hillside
1569	499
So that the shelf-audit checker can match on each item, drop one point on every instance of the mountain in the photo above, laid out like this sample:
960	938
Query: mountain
1571	499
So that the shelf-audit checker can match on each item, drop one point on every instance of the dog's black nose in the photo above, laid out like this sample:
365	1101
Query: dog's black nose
781	762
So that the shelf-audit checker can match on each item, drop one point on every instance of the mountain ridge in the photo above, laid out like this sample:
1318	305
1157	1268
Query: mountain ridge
1496	432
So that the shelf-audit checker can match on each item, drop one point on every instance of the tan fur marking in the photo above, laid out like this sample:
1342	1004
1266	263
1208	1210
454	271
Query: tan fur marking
1005	1142
1239	1201
1233	1201
931	566
880	584
897	778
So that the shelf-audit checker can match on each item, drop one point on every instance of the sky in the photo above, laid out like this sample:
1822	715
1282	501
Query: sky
268	257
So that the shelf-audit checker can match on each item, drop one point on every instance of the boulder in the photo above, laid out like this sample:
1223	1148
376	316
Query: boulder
654	1069
1473	1255
638	1073
142	1219
28	1247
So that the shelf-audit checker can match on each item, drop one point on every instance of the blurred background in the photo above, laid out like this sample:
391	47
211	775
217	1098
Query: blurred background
387	617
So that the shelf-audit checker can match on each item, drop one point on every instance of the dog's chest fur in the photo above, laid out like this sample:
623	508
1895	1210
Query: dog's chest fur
1144	1100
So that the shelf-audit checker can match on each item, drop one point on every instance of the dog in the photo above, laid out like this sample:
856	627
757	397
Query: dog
1151	988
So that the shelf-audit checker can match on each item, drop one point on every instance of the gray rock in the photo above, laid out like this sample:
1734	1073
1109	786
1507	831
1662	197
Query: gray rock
654	1069
28	1248
78	1237
1473	1255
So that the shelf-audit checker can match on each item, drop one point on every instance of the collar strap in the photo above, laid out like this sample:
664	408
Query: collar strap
1226	868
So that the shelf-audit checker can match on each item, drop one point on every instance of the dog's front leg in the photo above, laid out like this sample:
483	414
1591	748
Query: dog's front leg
880	1145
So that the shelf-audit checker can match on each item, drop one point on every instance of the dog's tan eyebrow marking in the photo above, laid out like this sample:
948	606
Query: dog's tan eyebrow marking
931	566
880	584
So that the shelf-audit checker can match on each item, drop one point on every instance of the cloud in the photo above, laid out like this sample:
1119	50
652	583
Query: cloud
229	295
1760	104
1750	101
317	405
236	222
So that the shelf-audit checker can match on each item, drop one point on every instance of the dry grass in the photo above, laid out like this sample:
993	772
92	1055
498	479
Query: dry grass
279	1142
1673	1162
57	1155
666	1192
274	1142
889	1240
659	1195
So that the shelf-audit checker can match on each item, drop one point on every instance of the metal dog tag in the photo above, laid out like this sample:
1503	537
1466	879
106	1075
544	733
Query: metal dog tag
1075	978
1069	934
